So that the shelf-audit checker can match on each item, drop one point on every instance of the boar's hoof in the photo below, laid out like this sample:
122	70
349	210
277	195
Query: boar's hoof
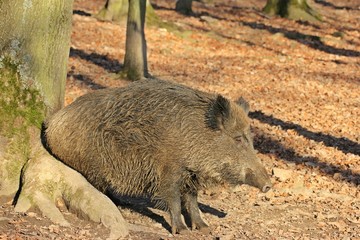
205	230
203	227
180	228
199	224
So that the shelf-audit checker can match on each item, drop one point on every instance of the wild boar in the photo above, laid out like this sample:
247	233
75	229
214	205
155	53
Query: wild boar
159	139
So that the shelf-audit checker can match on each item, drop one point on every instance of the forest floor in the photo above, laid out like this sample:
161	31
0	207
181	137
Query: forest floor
302	81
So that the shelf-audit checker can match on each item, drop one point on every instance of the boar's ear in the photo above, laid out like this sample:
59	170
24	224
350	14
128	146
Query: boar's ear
218	113
243	104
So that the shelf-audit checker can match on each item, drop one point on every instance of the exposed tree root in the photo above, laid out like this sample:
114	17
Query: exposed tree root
46	180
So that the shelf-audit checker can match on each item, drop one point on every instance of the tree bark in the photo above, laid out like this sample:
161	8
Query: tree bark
135	62
117	11
292	9
33	58
34	49
114	10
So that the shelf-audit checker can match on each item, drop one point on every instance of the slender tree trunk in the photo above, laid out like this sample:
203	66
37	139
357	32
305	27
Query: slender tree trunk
184	7
34	49
292	9
135	62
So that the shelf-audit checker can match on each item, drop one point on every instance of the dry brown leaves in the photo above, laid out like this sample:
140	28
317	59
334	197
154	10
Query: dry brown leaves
303	83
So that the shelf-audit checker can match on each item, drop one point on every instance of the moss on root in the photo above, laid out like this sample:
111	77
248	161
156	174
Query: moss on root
21	114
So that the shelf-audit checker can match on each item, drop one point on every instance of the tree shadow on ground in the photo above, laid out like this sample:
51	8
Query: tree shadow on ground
309	24
100	60
81	13
311	41
328	4
343	144
86	80
308	40
267	145
158	7
335	78
141	205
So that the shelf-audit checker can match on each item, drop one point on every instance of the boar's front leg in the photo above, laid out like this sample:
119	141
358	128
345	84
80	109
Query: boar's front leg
172	197
192	208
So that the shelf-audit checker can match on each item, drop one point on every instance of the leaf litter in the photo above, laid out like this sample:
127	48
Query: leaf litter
303	83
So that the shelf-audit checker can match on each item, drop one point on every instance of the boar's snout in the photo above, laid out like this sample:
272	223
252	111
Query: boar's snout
259	179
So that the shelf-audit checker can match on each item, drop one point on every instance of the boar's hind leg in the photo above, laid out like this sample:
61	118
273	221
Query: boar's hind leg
173	201
192	207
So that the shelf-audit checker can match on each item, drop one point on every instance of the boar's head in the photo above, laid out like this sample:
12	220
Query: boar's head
239	164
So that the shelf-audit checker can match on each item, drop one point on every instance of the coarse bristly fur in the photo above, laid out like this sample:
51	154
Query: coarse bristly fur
157	138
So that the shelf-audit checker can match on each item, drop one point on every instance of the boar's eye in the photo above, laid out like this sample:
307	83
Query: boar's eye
238	138
242	139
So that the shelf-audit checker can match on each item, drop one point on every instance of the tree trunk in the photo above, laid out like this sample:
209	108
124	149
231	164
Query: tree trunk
292	9
135	62
33	70
34	49
114	10
117	11
184	7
